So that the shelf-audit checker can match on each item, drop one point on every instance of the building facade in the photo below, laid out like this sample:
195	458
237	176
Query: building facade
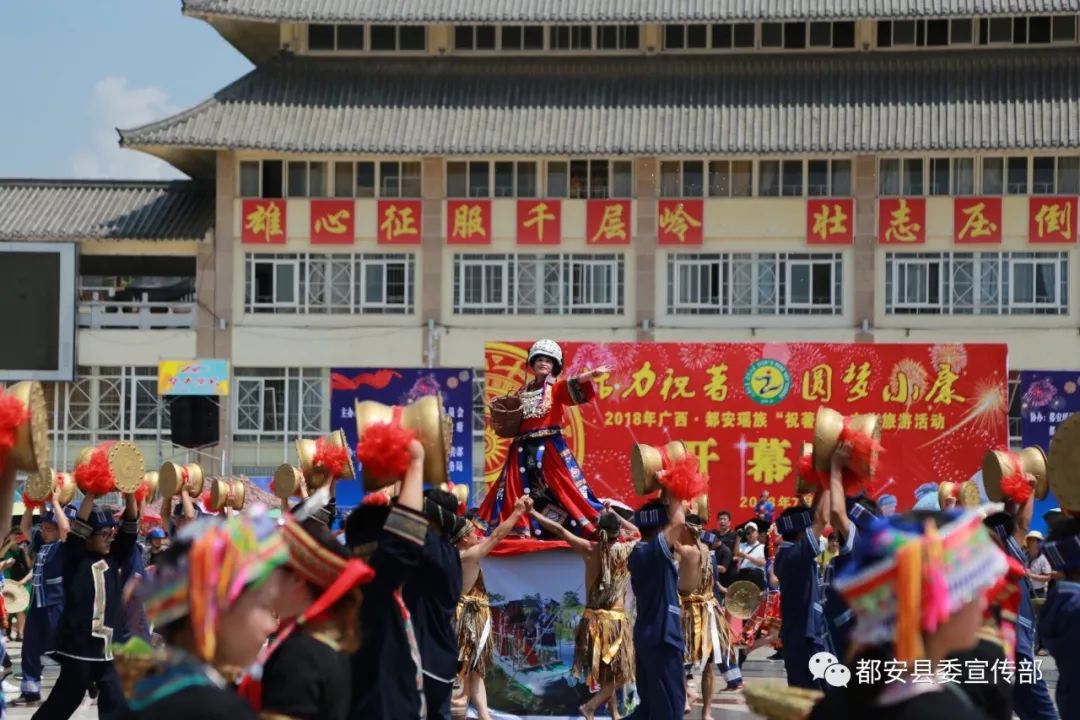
395	184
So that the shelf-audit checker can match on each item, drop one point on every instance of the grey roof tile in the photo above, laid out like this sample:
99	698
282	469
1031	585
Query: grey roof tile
104	209
865	102
613	11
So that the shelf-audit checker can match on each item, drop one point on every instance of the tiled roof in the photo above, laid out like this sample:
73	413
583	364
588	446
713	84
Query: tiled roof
864	102
104	209
613	11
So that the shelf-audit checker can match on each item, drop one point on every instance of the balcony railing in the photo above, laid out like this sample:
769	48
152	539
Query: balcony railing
102	313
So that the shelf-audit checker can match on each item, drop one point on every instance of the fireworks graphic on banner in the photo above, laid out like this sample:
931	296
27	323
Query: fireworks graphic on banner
955	356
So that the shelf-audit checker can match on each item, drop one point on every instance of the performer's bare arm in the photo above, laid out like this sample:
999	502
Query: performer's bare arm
26	523
837	500
522	506
412	486
62	522
578	545
676	510
590	375
189	506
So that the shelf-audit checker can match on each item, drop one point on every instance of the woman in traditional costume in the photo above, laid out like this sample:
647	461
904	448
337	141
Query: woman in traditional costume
304	673
539	463
213	600
918	587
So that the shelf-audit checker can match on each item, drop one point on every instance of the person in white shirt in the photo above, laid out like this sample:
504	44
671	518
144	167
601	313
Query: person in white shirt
751	554
1038	566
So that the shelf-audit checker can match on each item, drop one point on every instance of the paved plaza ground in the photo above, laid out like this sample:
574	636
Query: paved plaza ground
726	706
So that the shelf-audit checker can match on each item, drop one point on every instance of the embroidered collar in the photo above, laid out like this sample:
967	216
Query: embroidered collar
176	673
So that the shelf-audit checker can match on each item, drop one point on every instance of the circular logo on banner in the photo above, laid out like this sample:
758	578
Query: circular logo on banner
767	382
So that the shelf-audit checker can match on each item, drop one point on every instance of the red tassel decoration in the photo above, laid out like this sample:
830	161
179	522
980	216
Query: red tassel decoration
1016	487
331	459
864	452
816	478
384	450
377	499
12	414
142	492
684	480
32	504
95	477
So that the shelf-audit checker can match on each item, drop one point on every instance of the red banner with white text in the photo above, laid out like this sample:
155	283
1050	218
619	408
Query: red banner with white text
745	409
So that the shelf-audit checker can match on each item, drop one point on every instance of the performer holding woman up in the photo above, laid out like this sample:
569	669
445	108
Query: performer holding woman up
539	462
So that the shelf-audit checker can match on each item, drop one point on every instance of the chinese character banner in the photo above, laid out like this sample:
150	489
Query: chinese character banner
1046	399
401	386
745	409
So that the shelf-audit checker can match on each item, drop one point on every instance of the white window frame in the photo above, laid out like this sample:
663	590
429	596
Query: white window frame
468	179
781	188
1056	185
320	280
310	171
538	168
259	163
303	404
903	190
1033	266
952	160
381	178
748	284
543	284
811	262
976	283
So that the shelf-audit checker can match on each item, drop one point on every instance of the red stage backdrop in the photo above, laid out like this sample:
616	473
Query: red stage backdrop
745	409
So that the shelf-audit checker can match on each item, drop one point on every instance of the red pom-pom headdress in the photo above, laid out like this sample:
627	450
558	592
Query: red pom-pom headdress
95	476
331	459
12	415
865	453
684	479
383	450
1016	487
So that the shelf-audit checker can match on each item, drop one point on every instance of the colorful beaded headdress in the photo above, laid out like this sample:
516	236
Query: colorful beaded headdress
906	579
225	559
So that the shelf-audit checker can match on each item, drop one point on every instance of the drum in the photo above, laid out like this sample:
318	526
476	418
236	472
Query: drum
743	599
16	598
752	575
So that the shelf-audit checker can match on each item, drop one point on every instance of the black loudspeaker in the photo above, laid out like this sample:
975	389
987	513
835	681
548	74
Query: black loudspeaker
194	420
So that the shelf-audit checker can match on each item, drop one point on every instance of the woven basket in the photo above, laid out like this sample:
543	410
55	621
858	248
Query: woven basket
777	701
506	416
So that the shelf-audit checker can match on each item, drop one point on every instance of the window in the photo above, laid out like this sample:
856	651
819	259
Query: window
522	37
780	177
828	178
731	178
105	403
261	178
468	179
278	403
1055	175
901	176
1007	176
617	37
307	179
340	284
515	179
554	284
581	179
952	176
399	179
755	284
990	283
1033	30
336	37
343	179
398	37
682	178
721	36
474	37
571	37
925	33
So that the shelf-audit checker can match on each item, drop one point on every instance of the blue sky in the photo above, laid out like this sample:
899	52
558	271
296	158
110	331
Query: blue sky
73	70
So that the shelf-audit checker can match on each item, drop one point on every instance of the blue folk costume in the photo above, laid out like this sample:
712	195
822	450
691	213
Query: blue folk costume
802	631
1031	701
839	619
1059	623
46	604
658	638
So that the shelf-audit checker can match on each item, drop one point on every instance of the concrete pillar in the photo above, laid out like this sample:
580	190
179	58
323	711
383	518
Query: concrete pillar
430	290
862	268
644	279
